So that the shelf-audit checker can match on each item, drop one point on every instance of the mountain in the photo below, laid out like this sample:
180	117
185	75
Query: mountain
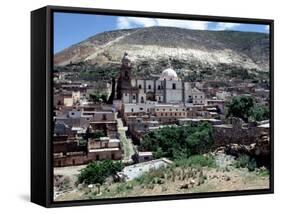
153	49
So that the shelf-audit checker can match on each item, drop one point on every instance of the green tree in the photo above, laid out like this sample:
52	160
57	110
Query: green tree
179	141
246	108
241	107
260	113
96	172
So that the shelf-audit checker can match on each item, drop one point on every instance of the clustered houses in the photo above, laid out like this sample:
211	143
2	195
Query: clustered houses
85	131
149	103
84	134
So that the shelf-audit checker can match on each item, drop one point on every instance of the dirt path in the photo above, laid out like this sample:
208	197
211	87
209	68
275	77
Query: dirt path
126	142
110	43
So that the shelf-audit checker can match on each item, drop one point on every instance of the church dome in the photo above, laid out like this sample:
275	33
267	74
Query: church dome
169	74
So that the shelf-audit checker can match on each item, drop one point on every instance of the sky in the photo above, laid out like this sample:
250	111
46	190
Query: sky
71	28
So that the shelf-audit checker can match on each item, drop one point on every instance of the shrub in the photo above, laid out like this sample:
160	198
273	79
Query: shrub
97	172
252	165
244	161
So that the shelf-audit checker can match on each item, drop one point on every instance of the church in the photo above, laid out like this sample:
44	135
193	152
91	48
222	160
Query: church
167	89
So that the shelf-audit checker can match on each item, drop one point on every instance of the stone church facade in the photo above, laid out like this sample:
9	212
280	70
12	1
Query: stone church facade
167	89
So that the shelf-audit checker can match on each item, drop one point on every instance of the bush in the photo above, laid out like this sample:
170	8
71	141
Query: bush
97	172
197	161
252	165
244	161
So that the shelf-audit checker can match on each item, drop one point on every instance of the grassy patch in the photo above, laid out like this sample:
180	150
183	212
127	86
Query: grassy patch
263	172
197	161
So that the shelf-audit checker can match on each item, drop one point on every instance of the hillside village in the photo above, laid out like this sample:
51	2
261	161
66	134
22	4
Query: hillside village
117	120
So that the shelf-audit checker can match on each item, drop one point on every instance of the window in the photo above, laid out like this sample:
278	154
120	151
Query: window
149	86
159	87
174	85
171	114
166	114
162	114
141	109
139	86
201	96
157	109
142	100
132	110
163	109
134	97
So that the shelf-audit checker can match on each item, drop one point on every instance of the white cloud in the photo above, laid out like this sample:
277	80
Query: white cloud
226	26
199	25
132	22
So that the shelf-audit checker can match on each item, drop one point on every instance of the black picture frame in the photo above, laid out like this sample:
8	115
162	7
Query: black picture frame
41	104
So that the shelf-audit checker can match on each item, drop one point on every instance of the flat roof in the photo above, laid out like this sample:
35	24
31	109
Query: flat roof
199	119
133	171
114	141
144	153
103	150
266	125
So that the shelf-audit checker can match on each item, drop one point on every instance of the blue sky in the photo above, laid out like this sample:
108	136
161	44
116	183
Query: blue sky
70	28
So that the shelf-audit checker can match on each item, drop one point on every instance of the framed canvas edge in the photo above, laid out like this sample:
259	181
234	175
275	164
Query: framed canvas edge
49	92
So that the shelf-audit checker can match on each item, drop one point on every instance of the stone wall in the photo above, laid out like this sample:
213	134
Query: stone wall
72	160
235	133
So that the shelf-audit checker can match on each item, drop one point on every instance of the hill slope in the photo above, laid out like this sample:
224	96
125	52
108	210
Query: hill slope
152	48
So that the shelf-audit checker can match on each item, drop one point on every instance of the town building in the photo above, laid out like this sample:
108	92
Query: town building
168	88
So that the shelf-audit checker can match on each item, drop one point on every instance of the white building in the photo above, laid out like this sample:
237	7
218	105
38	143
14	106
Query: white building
169	88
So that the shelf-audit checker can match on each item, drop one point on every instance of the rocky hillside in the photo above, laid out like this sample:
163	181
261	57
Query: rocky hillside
152	49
